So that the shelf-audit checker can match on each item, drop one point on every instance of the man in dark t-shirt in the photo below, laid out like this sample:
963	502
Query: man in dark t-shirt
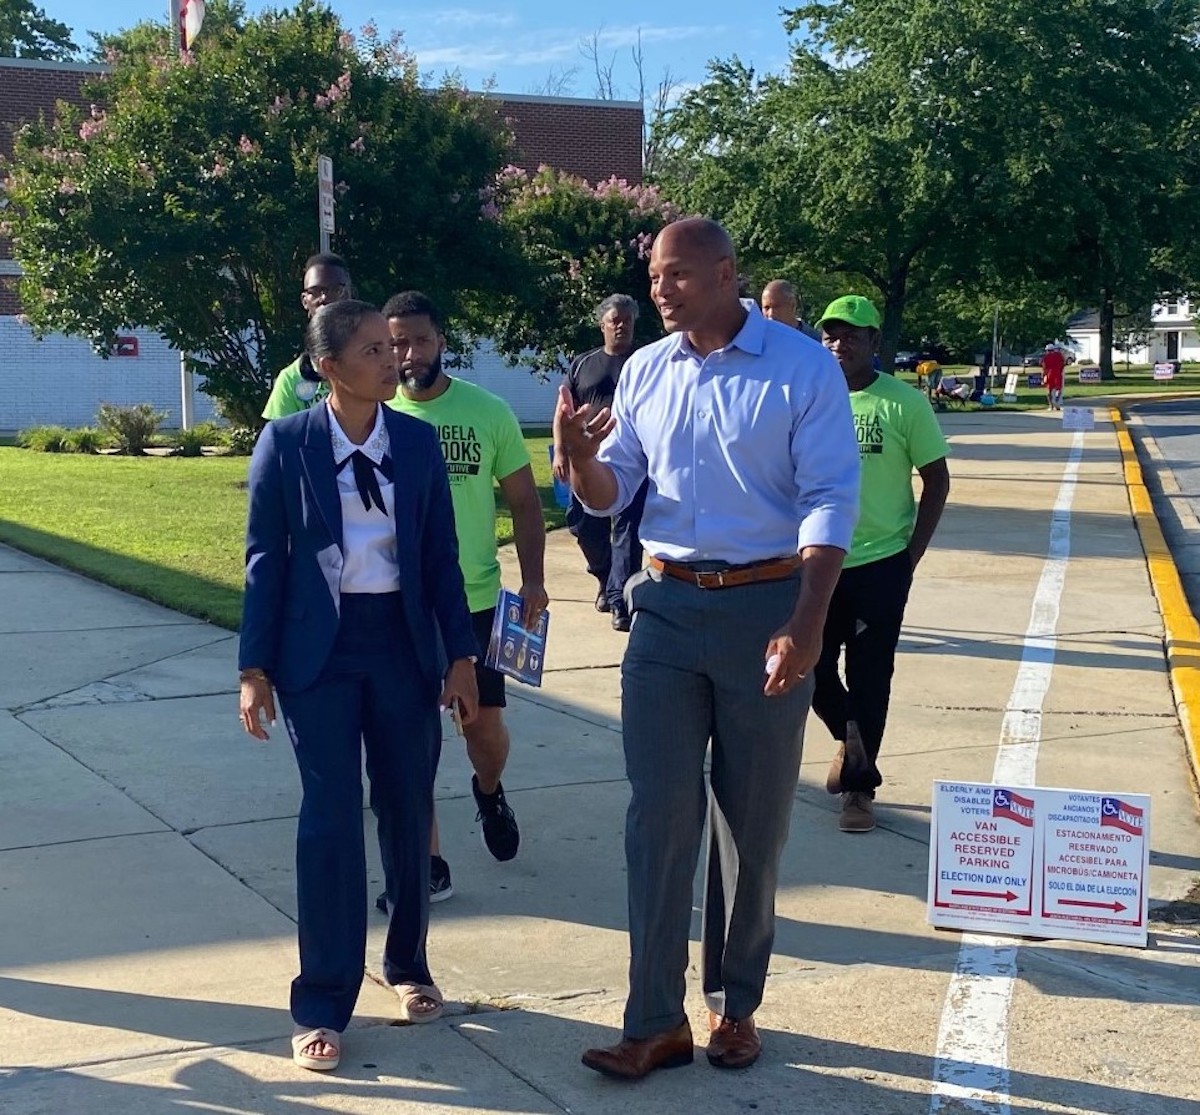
610	546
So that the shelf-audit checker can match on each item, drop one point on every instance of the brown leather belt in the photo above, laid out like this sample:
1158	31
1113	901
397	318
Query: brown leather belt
773	569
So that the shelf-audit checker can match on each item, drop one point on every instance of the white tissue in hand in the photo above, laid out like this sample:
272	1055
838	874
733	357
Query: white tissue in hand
773	663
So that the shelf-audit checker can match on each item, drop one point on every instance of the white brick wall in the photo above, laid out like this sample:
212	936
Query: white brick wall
61	381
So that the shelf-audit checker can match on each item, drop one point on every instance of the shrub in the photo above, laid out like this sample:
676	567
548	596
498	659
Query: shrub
130	427
45	439
85	439
189	443
209	433
240	440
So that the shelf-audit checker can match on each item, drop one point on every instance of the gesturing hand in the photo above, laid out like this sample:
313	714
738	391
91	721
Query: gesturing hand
583	429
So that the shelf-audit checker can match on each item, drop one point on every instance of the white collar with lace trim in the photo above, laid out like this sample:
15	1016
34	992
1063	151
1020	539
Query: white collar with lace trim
376	446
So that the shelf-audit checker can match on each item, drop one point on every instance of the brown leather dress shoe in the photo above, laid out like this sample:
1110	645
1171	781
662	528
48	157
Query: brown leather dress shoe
733	1043
632	1058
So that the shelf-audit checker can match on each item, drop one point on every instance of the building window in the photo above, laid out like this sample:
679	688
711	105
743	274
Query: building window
1172	309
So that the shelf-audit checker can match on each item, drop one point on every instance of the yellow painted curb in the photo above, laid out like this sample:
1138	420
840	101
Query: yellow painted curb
1182	630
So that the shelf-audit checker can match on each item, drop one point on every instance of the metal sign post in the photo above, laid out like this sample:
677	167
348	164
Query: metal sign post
325	199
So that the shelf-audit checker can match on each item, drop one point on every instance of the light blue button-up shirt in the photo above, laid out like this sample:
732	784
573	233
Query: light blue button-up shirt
750	451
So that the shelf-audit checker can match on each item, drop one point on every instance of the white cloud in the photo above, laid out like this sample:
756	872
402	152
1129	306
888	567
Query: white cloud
473	17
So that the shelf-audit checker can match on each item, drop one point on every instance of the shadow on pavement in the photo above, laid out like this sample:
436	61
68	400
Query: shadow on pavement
389	1068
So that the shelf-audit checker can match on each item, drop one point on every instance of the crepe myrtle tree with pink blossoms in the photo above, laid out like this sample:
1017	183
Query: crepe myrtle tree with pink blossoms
184	198
579	243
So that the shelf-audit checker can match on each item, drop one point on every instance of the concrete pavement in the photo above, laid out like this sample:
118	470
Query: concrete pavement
147	891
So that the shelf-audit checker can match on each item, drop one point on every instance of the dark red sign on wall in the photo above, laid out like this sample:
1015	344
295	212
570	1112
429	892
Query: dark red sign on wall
125	346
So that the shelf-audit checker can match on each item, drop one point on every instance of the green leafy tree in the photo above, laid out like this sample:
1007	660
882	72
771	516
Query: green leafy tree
185	199
27	32
832	162
579	243
1006	146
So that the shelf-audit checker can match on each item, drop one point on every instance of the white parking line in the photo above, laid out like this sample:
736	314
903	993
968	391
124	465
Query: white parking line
971	1070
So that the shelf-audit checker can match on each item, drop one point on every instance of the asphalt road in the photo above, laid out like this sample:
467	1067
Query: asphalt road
1167	434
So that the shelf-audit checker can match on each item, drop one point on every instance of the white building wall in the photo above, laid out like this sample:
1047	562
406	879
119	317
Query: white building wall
532	399
60	381
1087	344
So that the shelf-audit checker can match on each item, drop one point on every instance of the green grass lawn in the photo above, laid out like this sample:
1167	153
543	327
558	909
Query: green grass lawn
170	529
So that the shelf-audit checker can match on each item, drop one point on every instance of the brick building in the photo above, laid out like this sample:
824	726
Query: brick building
593	139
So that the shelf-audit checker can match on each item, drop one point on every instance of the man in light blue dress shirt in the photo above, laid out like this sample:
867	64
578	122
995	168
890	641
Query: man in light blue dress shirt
743	428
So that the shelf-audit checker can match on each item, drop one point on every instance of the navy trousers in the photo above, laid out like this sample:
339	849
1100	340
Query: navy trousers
610	546
371	693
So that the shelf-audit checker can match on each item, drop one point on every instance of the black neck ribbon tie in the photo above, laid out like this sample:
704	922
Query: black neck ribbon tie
364	477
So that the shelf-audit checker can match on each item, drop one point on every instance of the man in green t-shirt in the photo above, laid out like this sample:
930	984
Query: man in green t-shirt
297	387
483	445
897	432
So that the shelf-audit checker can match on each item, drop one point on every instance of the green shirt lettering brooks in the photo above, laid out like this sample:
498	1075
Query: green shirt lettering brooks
482	443
897	432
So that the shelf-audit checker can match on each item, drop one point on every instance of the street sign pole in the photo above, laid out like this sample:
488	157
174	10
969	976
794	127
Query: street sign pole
325	199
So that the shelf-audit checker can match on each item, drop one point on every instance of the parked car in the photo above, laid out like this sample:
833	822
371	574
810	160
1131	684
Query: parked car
907	361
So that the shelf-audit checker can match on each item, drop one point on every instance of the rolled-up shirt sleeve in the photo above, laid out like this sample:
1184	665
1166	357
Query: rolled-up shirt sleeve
825	455
622	451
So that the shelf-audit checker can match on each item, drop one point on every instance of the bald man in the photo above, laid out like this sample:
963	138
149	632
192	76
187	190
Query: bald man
780	303
742	427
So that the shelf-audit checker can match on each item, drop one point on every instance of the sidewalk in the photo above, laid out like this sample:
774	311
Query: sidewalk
147	891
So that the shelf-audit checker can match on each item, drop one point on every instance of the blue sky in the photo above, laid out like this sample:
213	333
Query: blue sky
522	43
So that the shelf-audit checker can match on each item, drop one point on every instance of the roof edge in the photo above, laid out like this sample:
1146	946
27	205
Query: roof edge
47	64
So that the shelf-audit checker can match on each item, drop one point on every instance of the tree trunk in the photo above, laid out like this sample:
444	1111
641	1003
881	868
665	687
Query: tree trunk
894	299
1107	314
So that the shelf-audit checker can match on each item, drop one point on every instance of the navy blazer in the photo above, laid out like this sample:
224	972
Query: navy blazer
294	550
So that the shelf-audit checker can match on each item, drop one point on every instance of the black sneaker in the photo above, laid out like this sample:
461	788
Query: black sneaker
498	826
440	887
602	604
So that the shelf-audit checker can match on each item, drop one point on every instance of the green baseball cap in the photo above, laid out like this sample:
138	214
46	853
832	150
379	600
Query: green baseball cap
853	309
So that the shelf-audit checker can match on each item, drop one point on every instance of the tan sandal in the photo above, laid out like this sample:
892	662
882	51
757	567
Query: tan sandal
419	1002
302	1039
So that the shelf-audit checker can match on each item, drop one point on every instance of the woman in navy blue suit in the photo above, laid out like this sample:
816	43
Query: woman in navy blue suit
355	615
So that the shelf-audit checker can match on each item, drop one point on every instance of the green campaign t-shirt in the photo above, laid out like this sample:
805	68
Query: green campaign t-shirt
897	432
482	443
292	393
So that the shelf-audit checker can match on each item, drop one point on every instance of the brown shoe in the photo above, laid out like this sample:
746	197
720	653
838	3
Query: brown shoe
858	812
633	1058
733	1043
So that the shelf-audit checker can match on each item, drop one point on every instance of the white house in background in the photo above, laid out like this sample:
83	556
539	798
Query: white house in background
1174	334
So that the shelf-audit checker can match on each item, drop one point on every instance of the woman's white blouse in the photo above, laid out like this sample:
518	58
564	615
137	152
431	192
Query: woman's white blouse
368	537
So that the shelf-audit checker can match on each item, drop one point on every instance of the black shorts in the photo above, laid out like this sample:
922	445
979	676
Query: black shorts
490	682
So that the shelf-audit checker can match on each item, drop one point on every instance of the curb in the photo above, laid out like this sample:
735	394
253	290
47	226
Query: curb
1181	627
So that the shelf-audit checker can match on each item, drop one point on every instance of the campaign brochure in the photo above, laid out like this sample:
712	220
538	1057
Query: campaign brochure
512	650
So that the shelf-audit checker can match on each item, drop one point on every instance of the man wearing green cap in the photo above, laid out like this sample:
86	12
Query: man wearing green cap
897	432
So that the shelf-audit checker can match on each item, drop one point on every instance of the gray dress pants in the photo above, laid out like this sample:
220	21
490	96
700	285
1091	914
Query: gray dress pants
693	673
